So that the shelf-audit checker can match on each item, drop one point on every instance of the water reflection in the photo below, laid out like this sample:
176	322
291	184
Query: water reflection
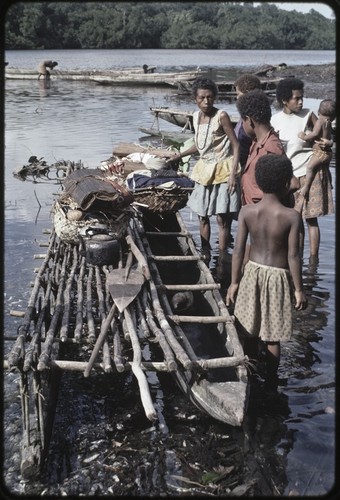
44	86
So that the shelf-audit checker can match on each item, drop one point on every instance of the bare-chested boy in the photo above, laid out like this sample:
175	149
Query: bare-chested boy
263	306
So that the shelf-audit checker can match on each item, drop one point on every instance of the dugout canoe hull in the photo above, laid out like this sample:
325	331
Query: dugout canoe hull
110	77
228	89
183	119
75	304
217	382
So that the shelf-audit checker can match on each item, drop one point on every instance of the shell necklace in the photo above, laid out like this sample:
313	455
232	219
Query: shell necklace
206	134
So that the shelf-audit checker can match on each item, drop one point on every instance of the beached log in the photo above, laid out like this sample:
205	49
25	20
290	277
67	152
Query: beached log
149	409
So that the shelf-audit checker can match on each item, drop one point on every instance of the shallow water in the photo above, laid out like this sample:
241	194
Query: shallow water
100	431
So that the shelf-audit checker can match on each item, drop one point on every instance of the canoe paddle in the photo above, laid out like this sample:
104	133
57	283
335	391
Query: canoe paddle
124	285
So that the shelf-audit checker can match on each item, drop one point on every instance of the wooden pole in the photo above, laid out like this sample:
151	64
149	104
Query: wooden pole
100	340
149	409
45	355
18	349
67	299
90	320
80	301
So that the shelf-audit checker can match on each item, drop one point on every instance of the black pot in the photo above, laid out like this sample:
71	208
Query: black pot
99	249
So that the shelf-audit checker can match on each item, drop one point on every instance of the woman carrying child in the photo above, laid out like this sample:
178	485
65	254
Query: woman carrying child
289	122
321	135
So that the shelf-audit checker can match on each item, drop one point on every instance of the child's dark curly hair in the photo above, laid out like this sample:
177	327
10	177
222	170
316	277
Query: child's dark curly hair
327	107
247	82
273	173
285	87
256	105
204	83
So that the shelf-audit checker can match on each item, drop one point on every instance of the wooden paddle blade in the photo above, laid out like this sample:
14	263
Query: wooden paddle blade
122	290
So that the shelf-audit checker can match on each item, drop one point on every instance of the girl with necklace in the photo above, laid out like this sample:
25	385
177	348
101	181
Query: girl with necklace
216	190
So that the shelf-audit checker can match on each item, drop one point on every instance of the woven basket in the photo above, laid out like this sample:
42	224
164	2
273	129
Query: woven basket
162	200
68	230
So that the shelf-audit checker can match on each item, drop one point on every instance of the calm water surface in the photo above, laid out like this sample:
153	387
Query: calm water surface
83	121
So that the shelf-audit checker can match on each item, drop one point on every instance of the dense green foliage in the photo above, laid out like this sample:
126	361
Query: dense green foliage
181	25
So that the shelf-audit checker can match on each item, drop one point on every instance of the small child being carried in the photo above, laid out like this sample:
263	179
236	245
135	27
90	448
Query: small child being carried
322	147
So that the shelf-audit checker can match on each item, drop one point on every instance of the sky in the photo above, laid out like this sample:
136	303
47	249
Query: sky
320	7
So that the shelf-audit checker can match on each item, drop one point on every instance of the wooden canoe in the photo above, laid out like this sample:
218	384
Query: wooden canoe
152	79
217	382
75	303
227	88
166	136
183	119
129	76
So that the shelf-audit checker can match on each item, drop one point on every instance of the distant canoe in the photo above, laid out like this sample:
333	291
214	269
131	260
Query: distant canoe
183	119
228	89
177	117
152	79
166	136
128	76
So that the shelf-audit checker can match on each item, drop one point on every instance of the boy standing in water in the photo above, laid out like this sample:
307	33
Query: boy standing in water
262	295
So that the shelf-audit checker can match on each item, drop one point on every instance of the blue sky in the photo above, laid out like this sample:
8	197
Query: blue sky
321	7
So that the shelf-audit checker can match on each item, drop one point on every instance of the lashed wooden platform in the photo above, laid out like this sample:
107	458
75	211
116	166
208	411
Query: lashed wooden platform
74	321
